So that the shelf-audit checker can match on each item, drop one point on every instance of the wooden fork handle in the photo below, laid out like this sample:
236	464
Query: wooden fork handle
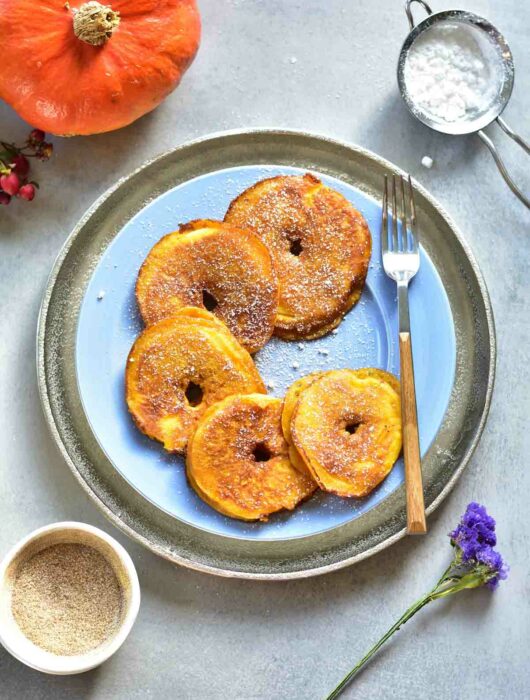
416	524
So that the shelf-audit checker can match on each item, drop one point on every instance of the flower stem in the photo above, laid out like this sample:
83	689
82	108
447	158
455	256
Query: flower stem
418	605
450	582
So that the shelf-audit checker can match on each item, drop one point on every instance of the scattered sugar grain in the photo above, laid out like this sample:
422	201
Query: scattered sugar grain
295	365
427	162
101	294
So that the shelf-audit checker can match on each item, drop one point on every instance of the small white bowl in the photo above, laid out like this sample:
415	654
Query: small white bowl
19	645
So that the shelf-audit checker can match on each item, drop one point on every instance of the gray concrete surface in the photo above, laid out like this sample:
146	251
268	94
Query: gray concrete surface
201	637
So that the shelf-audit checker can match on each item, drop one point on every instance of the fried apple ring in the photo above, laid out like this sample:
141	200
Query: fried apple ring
346	426
320	245
179	367
238	460
212	265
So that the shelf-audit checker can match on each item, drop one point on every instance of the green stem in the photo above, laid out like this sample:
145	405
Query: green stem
418	605
444	576
447	585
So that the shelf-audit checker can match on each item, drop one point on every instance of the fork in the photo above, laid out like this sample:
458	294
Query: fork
401	261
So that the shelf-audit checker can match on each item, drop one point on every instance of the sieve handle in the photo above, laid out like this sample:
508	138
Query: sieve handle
499	162
511	133
409	11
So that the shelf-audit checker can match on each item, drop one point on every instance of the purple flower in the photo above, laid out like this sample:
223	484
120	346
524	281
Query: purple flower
475	531
475	538
495	564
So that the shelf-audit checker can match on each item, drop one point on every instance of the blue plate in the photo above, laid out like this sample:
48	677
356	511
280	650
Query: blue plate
109	323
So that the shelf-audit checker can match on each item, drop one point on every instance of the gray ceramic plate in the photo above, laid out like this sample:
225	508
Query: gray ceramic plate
175	539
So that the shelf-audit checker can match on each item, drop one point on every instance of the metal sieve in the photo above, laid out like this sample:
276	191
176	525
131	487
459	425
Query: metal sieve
468	124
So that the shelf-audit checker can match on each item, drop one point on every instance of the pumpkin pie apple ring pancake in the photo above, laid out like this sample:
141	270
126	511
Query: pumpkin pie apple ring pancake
346	426
179	367
293	393
217	266
238	460
320	245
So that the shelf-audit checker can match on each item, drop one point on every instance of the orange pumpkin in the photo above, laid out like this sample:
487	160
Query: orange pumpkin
82	68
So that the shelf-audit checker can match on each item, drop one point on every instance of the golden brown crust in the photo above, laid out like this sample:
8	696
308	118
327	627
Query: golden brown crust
289	404
346	426
238	460
212	262
320	245
190	352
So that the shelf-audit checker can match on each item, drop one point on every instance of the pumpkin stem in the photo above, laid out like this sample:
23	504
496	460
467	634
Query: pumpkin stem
94	23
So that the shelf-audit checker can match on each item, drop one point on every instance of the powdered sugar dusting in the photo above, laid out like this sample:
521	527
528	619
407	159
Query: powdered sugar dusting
453	71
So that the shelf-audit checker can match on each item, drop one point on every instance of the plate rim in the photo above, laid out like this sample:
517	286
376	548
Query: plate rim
95	497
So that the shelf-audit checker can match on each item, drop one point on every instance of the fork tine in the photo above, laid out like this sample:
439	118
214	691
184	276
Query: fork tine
395	244
413	231
384	221
404	235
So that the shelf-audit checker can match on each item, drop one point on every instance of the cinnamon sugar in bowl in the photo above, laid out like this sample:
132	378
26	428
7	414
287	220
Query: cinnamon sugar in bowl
69	595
